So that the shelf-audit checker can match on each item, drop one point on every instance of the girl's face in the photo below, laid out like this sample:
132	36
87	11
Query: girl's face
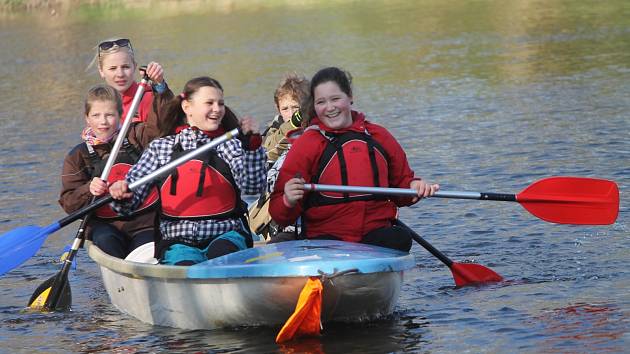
287	105
103	118
332	106
117	70
205	108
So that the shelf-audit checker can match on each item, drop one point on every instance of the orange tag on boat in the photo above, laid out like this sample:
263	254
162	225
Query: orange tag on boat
306	319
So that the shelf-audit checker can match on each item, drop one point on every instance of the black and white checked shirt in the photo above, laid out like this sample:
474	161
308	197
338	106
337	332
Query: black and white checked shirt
248	169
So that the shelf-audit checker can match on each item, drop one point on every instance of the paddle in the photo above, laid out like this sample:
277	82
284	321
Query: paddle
20	244
55	293
562	200
463	273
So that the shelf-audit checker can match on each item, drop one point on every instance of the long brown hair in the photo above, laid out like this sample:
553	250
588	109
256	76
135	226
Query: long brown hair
176	114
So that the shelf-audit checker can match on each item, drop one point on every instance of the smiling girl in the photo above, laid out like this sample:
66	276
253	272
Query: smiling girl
202	215
341	147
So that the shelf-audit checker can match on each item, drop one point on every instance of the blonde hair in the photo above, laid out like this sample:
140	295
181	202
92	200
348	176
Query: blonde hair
100	54
103	93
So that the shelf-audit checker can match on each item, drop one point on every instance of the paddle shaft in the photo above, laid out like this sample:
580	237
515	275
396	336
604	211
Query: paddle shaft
424	243
61	277
562	199
407	192
463	274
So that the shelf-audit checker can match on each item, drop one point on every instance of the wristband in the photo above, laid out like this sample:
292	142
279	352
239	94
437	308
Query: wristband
250	141
159	88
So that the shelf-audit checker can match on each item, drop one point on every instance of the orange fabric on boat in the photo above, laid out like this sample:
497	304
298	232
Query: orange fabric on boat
306	319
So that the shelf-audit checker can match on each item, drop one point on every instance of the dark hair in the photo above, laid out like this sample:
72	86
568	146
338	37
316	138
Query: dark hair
342	78
103	93
176	115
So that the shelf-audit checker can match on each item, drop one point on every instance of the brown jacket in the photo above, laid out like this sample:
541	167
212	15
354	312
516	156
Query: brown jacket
75	176
275	141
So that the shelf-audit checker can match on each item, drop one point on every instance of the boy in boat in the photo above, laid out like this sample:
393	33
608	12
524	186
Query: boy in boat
290	95
341	147
84	164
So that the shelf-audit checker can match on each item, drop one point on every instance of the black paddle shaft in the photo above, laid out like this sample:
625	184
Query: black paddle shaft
498	196
424	243
59	284
58	288
84	211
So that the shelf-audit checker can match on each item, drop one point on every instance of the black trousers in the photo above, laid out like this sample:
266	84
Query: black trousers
394	237
117	243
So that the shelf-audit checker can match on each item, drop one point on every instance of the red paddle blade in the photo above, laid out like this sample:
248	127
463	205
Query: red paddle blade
471	273
572	200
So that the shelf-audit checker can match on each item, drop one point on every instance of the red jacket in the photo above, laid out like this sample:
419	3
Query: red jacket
348	221
145	105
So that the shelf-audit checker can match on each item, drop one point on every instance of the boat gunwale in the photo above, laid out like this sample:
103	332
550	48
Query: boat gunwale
171	272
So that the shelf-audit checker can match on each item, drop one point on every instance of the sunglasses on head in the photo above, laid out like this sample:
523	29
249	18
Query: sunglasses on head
107	45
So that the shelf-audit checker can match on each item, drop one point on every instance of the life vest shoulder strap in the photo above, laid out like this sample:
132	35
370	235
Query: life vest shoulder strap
335	149
129	155
335	146
93	159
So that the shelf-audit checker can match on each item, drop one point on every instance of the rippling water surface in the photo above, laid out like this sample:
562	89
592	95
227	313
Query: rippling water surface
484	96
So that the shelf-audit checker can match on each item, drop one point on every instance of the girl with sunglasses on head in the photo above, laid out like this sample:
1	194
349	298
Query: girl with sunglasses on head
201	212
117	66
84	164
340	146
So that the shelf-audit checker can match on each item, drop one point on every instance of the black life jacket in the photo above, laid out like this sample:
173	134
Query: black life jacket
126	158
201	188
349	159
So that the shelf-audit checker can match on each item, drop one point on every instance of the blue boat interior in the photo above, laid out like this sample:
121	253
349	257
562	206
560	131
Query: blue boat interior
303	258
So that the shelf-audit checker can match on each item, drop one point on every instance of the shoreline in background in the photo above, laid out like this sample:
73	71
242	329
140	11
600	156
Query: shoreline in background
56	7
52	6
153	8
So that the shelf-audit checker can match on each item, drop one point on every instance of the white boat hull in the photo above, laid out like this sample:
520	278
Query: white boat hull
166	296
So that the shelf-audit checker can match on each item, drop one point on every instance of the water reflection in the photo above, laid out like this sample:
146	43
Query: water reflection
592	327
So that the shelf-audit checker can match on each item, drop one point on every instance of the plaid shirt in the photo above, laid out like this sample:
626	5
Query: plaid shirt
248	169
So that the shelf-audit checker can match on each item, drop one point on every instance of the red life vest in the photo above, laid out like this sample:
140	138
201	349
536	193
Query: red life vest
349	159
202	188
126	158
144	107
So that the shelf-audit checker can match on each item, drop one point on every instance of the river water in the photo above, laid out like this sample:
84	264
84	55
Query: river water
485	96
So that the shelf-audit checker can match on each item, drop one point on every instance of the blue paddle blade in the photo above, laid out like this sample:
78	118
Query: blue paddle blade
18	245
